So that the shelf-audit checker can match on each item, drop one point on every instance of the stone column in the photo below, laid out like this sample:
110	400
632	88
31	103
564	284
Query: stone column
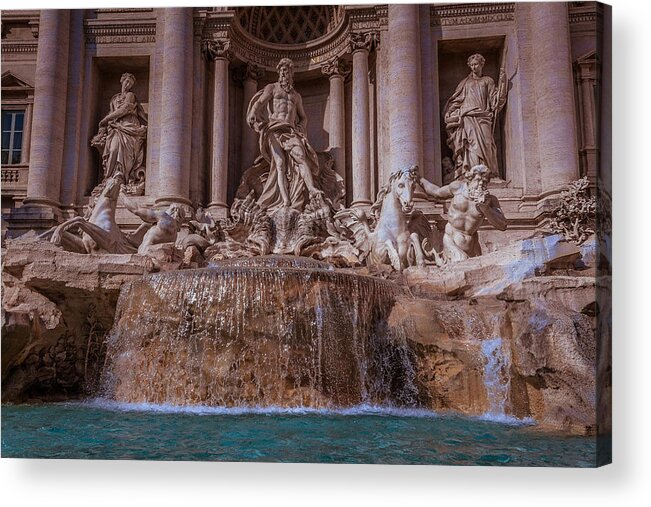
361	44
337	70
431	166
405	110
48	124
176	108
555	113
197	167
250	75
587	73
218	51
73	138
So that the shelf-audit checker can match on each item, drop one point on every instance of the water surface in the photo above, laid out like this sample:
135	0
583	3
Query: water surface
107	430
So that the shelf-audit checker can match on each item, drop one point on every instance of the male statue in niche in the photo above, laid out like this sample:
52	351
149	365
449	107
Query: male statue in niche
470	116
276	113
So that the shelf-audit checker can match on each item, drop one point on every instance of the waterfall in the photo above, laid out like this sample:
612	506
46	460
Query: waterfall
496	375
259	332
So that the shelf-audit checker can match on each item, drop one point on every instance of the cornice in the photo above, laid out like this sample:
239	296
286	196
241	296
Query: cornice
119	32
466	14
19	46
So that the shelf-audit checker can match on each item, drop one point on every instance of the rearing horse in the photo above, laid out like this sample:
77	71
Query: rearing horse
100	232
396	233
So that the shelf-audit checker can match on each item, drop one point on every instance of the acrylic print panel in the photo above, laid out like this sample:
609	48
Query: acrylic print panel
333	234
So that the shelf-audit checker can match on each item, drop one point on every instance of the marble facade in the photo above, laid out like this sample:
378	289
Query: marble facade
374	81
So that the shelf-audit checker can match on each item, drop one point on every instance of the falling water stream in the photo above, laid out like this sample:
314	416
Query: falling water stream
496	378
268	331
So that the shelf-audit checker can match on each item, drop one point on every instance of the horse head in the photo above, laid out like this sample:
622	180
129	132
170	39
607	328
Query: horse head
402	183
113	185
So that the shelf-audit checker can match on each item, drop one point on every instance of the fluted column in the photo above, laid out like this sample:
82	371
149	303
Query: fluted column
176	108
48	123
431	167
556	123
405	107
361	44
588	70
249	75
218	51
73	138
337	70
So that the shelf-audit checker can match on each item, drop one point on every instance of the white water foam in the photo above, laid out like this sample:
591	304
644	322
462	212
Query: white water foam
358	410
363	409
507	419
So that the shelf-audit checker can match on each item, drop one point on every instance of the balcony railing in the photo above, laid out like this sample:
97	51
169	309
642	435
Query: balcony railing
14	178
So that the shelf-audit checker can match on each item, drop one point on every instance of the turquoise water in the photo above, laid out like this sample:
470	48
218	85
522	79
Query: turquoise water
106	430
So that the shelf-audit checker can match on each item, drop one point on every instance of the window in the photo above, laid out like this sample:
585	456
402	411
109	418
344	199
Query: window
12	136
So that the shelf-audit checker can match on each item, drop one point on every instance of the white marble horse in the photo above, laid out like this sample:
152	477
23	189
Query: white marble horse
99	232
399	231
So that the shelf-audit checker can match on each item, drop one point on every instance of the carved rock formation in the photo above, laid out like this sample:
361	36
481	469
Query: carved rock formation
56	308
575	215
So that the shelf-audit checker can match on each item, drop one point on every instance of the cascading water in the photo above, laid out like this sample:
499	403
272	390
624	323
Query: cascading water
496	375
264	331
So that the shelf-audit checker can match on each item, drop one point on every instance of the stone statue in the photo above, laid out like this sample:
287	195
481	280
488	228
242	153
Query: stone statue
470	115
471	205
161	226
398	232
121	138
276	113
99	233
447	169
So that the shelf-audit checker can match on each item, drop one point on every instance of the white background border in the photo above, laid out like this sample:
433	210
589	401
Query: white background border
626	482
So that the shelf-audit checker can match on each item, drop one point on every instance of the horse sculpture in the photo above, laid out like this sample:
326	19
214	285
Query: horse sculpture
399	231
99	232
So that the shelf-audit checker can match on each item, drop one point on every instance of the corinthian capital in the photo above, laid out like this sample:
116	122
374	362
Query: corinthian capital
336	67
364	40
248	71
213	49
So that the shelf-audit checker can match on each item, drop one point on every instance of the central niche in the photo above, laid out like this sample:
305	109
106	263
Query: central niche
289	25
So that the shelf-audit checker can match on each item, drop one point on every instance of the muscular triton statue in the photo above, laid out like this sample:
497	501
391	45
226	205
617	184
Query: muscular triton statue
161	226
276	113
471	205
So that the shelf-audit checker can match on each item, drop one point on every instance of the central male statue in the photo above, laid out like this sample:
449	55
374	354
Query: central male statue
276	113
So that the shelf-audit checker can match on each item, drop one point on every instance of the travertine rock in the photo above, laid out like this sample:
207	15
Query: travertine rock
56	308
491	273
549	361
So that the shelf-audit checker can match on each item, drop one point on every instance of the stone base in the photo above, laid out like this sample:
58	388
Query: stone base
38	218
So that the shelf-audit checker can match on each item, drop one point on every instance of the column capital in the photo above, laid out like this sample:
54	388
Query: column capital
364	41
250	71
336	67
214	49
